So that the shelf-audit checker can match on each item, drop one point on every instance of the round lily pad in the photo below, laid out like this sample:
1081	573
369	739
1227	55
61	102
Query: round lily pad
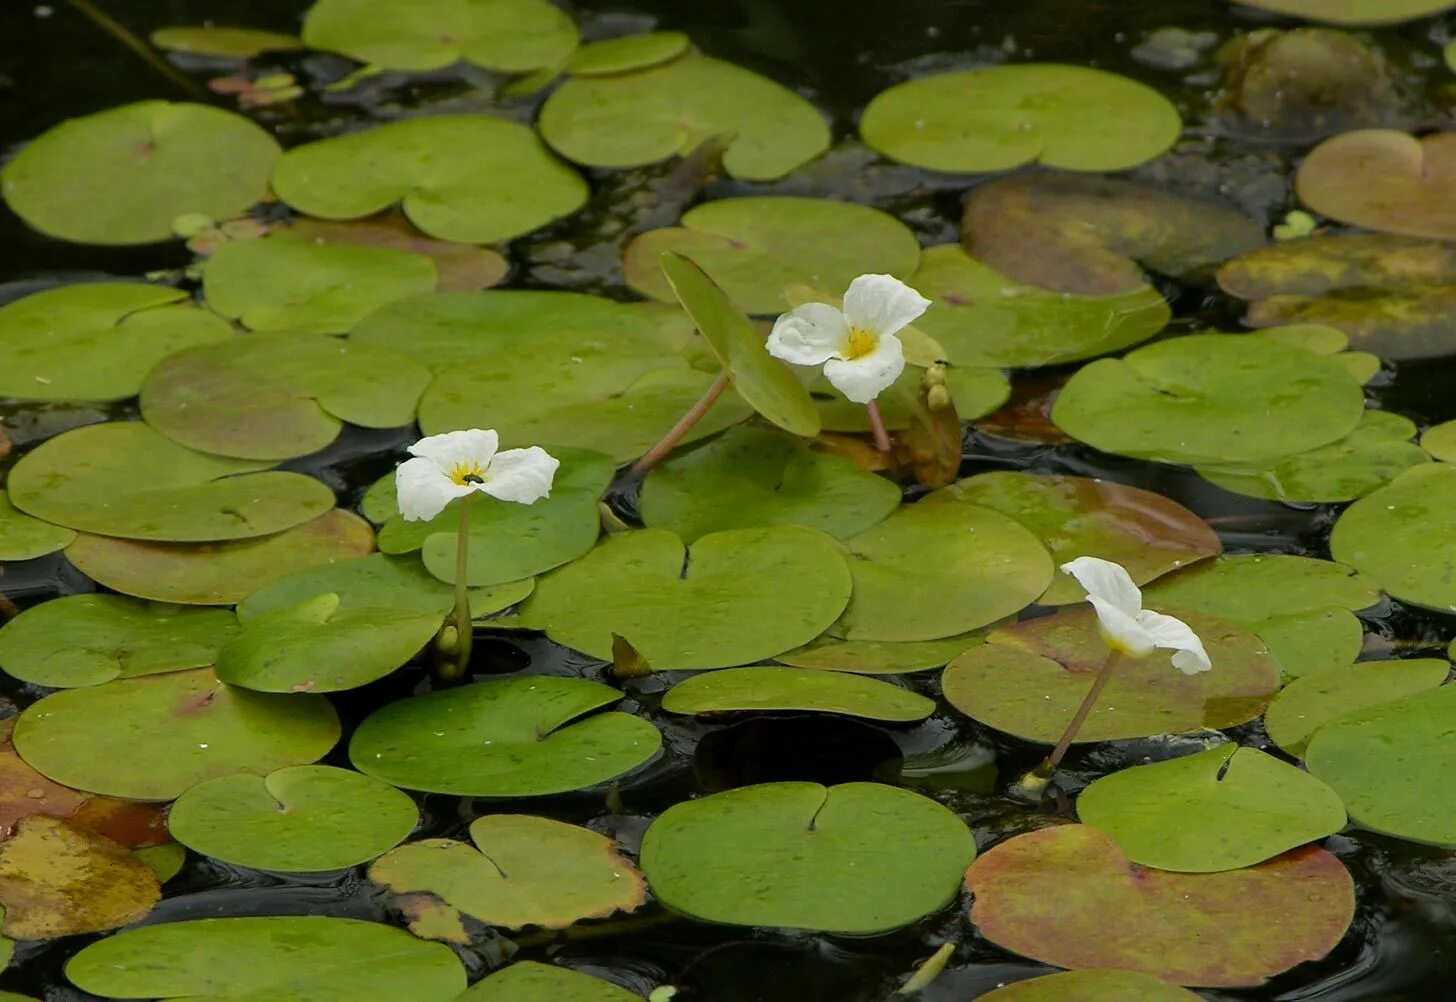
228	43
1216	810
84	640
1398	536
58	878
122	175
1391	765
1110	912
444	330
458	267
634	119
1210	398
1072	117
278	396
630	52
528	981
749	689
1146	533
1091	986
880	657
512	36
518	737
316	647
96	341
1029	679
1083	235
273	957
150	738
981	317
763	382
298	285
753	476
218	573
122	478
1438	440
1319	265
732	598
1384	180
937	570
303	818
809	853
1307	704
1352	12
374	582
465	178
25	538
1308	642
754	247
521	871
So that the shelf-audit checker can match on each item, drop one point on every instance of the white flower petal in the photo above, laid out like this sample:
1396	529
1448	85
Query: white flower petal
458	448
1176	635
811	334
882	304
866	377
521	475
422	491
1122	632
1107	581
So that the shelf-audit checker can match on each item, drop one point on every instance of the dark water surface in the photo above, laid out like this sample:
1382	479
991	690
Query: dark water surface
56	63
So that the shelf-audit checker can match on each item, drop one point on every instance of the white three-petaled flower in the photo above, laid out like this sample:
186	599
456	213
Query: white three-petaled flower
1127	627
856	345
458	463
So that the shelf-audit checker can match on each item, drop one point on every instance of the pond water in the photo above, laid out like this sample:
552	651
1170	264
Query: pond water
59	63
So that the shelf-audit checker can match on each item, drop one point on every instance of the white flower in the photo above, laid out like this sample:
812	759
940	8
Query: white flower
458	463
857	345
1127	627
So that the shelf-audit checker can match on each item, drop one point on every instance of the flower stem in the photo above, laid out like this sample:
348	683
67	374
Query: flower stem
119	32
464	626
1038	777
877	425
654	455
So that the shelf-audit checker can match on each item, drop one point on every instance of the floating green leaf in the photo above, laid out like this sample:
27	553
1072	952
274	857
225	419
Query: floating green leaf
316	647
754	247
633	119
1252	587
1391	764
96	341
1072	117
512	36
528	981
1210	398
466	178
937	570
1091	986
732	598
281	958
1029	679
880	657
1384	180
25	538
518	737
1440	441
228	43
1352	12
751	476
1402	537
298	285
58	878
122	175
84	640
152	737
802	856
984	318
303	818
458	267
756	689
1215	810
278	396
124	479
611	56
218	573
1067	896
1146	533
1082	235
522	871
1308	642
1307	704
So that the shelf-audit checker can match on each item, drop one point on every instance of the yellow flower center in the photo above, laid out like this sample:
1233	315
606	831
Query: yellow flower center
860	343
465	474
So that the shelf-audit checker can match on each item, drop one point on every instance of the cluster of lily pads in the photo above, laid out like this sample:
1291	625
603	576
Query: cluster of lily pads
775	562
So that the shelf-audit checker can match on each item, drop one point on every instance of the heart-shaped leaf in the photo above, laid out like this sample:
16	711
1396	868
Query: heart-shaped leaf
1307	704
1352	12
611	56
1091	986
528	981
1384	180
878	657
751	689
25	538
227	43
458	267
1398	536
